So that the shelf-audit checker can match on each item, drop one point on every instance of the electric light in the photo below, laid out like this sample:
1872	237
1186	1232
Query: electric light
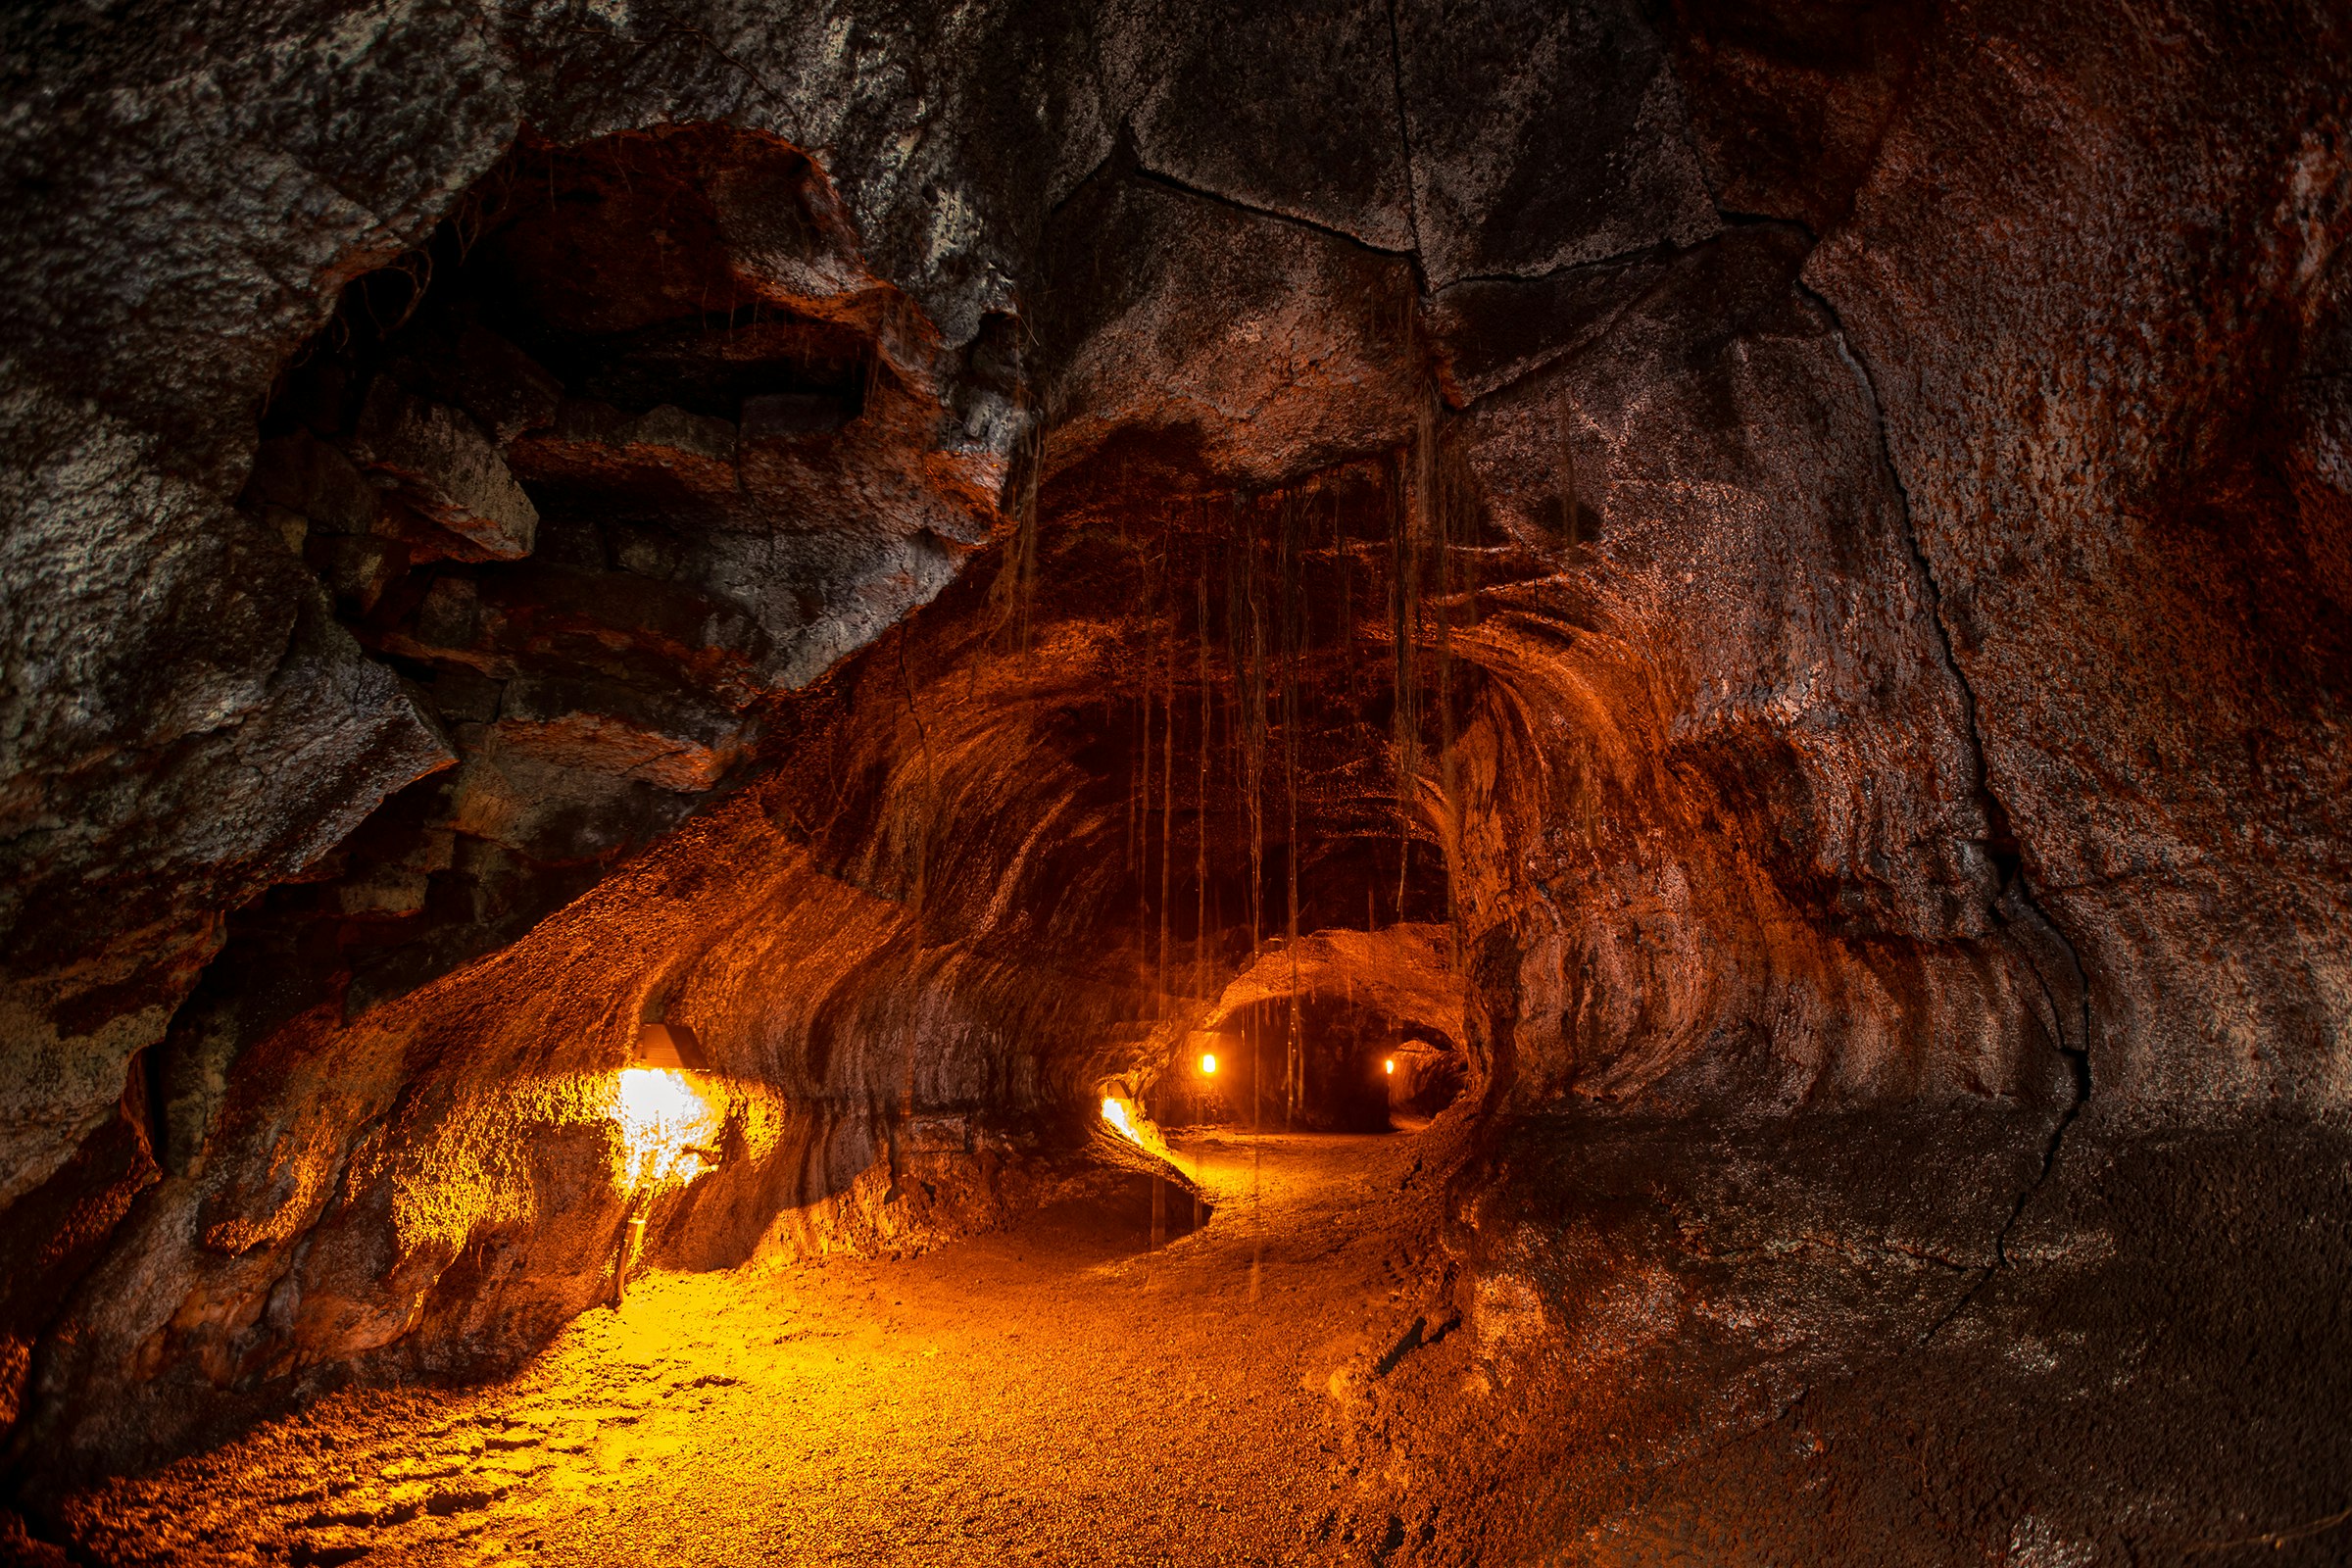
667	1128
1389	1066
1115	1113
1208	1065
663	1117
659	1111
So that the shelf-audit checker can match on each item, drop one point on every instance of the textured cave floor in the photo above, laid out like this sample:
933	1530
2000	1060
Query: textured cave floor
1051	1394
1838	1340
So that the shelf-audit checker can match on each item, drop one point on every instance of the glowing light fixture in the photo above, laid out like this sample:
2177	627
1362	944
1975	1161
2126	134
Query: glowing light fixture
662	1114
1208	1065
667	1128
1389	1066
659	1112
667	1045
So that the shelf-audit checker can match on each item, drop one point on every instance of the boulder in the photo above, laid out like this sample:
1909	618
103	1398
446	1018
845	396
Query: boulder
671	739
446	468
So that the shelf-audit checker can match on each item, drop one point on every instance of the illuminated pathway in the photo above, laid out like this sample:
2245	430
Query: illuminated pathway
1045	1394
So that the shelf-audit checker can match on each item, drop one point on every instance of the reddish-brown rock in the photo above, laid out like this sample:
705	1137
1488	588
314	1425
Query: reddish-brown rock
1795	557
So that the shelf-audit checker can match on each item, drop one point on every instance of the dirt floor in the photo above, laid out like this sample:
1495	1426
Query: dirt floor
1054	1394
1836	1340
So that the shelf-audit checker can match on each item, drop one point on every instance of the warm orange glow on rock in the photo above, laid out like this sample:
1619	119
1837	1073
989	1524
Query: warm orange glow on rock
664	1123
1115	1113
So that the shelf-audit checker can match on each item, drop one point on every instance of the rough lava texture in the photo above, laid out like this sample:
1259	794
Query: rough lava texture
1774	580
2159	657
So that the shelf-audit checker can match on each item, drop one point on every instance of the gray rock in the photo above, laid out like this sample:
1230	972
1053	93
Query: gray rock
446	468
1273	349
1218	96
1543	135
2155	635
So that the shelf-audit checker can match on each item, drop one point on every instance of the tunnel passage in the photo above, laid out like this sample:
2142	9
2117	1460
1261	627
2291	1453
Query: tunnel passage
1315	731
1755	603
1340	1054
1364	1005
1422	1078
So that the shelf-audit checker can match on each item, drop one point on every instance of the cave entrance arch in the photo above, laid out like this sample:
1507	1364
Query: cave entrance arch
1379	1020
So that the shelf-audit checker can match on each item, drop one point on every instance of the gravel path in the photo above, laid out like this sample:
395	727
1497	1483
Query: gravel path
1050	1395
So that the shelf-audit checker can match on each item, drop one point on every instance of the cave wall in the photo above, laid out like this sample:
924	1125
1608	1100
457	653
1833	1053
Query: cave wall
1898	456
898	1048
186	725
2122	454
1725	806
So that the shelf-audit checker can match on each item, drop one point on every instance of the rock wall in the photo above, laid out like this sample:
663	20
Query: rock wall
1813	538
187	726
1725	798
2121	452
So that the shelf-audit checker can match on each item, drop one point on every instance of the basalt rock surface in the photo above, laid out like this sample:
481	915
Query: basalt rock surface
1775	578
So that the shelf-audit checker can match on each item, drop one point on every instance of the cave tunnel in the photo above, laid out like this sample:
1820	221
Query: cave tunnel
1526	782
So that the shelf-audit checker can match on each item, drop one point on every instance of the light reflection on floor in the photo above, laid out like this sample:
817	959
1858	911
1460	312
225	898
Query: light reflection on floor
1048	1394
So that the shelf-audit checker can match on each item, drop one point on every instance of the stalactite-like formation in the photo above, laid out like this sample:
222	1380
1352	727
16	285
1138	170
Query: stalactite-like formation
1167	750
1451	530
1246	638
1291	519
1404	631
1152	631
1200	947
